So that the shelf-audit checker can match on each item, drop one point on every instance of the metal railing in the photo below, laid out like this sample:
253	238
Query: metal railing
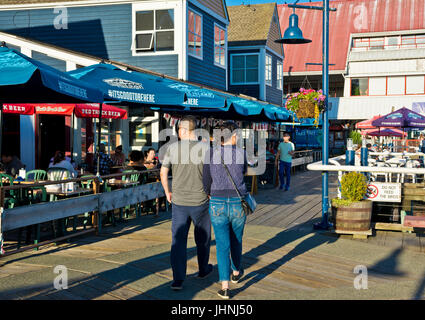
335	166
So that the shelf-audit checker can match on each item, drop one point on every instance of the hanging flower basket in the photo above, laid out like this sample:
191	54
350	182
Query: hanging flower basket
305	109
307	103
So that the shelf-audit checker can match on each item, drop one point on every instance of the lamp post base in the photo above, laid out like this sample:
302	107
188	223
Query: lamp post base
323	225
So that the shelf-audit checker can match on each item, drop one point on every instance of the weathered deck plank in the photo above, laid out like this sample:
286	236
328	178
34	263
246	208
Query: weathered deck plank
282	256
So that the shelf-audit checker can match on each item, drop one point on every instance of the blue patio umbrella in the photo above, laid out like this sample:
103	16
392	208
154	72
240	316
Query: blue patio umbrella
17	69
197	97
238	108
24	79
133	87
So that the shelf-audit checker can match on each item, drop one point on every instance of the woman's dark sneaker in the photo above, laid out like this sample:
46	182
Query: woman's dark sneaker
236	279
224	293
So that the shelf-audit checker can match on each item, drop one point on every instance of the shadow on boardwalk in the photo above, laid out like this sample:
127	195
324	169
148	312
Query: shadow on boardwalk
139	224
135	272
390	266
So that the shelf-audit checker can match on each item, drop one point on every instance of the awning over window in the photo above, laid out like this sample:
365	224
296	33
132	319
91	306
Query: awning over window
134	87
90	110
17	69
27	109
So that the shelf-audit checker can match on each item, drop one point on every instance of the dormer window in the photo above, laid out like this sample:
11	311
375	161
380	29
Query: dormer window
154	30
268	70
219	46
195	34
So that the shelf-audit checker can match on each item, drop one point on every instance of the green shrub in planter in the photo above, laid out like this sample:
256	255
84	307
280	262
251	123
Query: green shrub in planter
352	213
353	189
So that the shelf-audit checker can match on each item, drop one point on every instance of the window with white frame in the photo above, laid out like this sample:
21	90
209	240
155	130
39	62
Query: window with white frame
415	84
219	46
387	86
378	86
154	30
408	41
396	85
279	75
195	34
244	69
268	70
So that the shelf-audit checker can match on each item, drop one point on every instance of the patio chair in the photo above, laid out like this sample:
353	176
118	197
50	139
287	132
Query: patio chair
11	200
57	174
133	178
386	176
36	175
10	196
409	164
87	184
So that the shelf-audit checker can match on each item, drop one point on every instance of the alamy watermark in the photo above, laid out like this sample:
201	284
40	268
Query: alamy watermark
61	20
61	280
361	280
361	19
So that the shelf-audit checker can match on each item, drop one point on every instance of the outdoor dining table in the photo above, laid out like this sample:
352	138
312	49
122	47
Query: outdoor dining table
78	191
122	183
396	162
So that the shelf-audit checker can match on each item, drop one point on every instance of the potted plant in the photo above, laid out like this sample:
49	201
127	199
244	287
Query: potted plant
307	103
356	137
352	212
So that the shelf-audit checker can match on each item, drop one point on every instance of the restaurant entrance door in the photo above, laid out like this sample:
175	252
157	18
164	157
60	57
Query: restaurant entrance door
11	137
54	135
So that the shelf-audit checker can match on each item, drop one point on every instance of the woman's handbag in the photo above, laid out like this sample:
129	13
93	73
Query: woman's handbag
248	203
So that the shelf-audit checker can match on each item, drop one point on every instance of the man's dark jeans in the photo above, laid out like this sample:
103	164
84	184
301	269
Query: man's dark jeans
285	170
181	219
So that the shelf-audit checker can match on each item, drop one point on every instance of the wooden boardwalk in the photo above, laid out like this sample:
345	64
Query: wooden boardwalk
285	209
282	256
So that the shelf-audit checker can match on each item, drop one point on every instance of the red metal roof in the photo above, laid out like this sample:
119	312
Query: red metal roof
352	16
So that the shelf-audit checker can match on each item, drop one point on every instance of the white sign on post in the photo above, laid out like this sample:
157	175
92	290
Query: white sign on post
384	192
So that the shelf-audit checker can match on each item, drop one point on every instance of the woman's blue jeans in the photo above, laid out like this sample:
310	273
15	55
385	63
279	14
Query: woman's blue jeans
228	221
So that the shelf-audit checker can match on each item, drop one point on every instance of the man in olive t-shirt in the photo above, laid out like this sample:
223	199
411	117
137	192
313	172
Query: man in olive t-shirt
189	201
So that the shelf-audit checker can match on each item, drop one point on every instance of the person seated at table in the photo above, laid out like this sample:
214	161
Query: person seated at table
11	163
151	161
118	157
105	163
136	161
370	148
52	158
60	161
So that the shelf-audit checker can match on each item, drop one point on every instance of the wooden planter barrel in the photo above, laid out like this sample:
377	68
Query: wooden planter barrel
305	109
355	217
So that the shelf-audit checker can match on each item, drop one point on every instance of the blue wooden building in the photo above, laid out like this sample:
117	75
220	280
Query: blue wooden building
255	60
186	39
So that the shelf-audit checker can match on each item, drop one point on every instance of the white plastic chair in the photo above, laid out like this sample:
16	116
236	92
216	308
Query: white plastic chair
409	164
375	175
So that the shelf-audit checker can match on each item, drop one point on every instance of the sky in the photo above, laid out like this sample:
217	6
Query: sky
238	2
